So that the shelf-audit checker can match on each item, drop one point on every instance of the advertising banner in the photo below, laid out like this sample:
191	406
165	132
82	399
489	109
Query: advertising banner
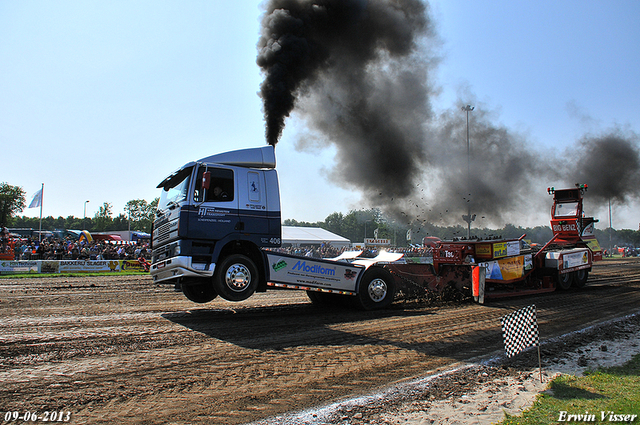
131	266
499	249
575	259
88	266
377	242
19	266
507	268
484	251
513	248
71	266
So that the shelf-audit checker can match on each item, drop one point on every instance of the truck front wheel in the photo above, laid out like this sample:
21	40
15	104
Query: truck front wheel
236	278
376	291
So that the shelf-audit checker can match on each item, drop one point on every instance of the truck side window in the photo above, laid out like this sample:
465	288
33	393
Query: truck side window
221	187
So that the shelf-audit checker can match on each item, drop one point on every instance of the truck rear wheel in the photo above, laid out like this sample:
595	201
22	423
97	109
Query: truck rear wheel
564	281
376	291
199	292
236	278
324	299
319	298
581	277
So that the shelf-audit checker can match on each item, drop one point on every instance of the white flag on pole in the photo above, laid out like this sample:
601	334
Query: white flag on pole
37	200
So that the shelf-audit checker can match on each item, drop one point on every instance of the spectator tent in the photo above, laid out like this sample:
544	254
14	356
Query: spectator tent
300	236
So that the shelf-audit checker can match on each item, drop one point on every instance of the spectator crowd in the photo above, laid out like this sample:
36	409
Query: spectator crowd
68	249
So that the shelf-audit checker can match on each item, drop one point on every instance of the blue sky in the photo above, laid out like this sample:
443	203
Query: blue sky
100	100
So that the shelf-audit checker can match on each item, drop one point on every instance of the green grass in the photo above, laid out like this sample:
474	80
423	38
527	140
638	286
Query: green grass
615	389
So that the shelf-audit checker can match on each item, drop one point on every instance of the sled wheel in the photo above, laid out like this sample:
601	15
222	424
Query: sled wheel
564	281
581	278
376	291
236	278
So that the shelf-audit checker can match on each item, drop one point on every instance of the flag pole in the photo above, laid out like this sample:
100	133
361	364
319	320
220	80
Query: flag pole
40	229
539	362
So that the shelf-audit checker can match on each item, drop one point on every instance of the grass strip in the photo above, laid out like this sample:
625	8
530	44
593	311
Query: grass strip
605	395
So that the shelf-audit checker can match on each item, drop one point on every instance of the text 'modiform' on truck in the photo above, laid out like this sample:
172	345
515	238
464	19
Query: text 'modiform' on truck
218	222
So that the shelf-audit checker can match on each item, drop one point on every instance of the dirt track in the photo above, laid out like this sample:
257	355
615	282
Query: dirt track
121	349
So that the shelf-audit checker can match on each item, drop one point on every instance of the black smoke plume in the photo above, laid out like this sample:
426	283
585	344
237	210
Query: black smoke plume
355	70
359	73
610	164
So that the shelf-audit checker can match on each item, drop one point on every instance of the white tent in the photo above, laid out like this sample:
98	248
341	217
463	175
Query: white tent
297	236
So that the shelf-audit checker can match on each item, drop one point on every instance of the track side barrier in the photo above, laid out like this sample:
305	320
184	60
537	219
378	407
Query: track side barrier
71	266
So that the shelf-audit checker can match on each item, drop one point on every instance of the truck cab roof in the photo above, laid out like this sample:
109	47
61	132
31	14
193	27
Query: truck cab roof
264	157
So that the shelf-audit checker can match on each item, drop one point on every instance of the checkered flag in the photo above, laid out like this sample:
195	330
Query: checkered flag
520	330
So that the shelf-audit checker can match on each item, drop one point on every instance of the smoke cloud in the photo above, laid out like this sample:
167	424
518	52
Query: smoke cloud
609	164
358	72
500	183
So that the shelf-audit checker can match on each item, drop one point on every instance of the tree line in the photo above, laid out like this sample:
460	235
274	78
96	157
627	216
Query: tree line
138	215
356	225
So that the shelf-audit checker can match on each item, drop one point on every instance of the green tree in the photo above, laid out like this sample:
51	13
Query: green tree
12	201
628	237
141	213
334	223
103	218
296	223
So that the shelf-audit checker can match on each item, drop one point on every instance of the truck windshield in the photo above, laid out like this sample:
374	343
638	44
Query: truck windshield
175	188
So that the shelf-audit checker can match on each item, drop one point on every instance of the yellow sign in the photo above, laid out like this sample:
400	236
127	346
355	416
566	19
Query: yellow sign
483	251
512	268
499	249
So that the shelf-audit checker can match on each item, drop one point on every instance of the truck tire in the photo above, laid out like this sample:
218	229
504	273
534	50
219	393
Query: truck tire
376	290
319	298
564	281
236	278
199	292
324	299
581	277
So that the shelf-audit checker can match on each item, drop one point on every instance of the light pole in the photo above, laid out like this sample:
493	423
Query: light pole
365	228
84	219
468	218
610	230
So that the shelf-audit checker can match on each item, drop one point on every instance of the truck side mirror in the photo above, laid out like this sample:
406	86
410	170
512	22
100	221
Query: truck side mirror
206	180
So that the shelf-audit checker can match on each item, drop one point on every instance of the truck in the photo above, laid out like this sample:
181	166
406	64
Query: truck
218	229
218	222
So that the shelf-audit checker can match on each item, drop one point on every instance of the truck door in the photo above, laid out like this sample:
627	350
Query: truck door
216	208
